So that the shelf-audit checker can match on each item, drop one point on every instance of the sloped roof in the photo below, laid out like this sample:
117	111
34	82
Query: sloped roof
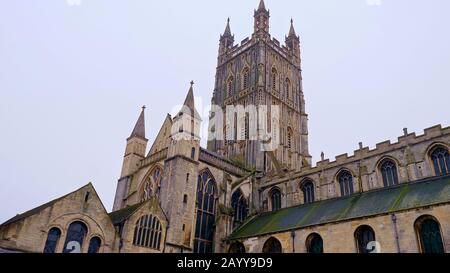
387	200
36	210
120	216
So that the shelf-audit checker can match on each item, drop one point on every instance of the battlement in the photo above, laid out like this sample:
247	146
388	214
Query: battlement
384	146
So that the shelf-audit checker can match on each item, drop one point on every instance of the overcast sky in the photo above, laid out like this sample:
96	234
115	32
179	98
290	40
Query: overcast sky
73	78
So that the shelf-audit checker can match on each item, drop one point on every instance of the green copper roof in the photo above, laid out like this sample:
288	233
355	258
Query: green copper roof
386	200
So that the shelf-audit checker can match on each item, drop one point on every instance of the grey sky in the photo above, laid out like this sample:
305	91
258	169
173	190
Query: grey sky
73	78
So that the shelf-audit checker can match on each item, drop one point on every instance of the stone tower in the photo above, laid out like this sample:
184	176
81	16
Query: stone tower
261	72
134	153
179	184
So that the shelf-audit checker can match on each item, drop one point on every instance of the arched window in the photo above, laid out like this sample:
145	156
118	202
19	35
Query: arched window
272	245
193	153
314	243
287	89
206	213
237	247
230	89
345	179
148	232
429	235
275	198
274	78
94	245
75	237
52	240
152	185
363	236
240	208
308	191
245	78
388	170
289	137
441	160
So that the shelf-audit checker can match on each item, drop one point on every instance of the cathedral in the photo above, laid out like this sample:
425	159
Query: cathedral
241	194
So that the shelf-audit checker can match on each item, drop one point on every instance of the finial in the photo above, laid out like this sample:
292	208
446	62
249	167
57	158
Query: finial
228	20
143	107
322	156
360	145
192	83
405	131
292	21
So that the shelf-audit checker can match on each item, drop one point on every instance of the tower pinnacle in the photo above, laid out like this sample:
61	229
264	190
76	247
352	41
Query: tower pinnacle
139	127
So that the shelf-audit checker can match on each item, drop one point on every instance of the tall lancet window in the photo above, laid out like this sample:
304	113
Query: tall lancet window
230	87
245	78
206	213
389	173
274	78
240	208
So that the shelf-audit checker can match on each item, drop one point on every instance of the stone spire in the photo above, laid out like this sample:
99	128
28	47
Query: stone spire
189	103
292	30
262	6
227	31
227	39
139	128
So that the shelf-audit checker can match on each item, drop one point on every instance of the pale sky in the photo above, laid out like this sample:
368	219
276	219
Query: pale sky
73	78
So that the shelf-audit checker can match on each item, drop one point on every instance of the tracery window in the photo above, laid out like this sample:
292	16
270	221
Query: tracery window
152	184
240	208
389	174
308	191
206	213
275	198
148	232
441	160
245	78
230	88
274	78
345	179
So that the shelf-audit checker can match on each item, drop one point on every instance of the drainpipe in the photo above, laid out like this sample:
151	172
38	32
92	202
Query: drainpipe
293	241
394	223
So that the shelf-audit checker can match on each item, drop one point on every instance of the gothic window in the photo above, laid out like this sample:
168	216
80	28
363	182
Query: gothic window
245	78
94	245
429	235
193	153
289	138
308	191
152	184
148	232
240	208
206	213
75	237
237	247
230	89
314	243
441	160
287	89
274	78
272	245
388	170
52	240
363	236
345	179
275	198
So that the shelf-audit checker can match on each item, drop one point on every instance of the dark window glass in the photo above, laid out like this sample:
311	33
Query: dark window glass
272	245
363	236
75	236
314	243
240	208
52	240
441	161
94	245
308	191
430	236
193	153
148	232
237	247
206	211
345	179
275	196
389	173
